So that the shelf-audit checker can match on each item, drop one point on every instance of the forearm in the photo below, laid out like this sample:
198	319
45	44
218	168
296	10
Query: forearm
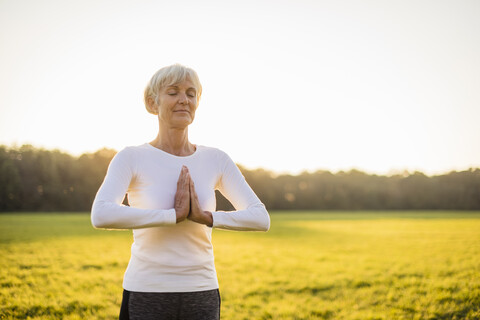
110	215
254	218
250	214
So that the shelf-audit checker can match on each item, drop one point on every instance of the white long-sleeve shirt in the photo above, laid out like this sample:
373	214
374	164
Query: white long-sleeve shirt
166	256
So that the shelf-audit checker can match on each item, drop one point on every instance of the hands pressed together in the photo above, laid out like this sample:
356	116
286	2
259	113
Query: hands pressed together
186	201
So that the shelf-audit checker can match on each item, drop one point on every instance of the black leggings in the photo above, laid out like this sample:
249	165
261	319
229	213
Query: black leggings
200	305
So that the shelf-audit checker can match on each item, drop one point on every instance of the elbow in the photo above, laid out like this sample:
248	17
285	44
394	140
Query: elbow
97	218
263	219
266	224
97	222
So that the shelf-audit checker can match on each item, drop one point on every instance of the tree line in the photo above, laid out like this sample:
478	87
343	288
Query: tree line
35	179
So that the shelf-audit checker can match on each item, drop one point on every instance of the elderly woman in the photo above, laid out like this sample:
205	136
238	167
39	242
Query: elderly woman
171	187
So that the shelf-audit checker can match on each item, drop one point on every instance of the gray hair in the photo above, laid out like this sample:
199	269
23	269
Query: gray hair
168	76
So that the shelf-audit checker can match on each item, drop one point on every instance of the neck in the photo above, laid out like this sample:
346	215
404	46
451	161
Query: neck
174	141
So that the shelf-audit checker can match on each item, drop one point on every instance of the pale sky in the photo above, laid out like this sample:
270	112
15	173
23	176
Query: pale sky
379	86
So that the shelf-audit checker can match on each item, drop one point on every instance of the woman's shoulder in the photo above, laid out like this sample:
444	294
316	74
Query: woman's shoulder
211	150
126	150
129	151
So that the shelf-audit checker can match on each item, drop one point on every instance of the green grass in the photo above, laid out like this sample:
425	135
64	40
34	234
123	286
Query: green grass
310	265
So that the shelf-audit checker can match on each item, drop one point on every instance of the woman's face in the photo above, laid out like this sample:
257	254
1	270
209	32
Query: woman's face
177	104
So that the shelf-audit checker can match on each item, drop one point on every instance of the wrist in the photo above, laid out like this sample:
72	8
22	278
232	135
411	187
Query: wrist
209	219
179	218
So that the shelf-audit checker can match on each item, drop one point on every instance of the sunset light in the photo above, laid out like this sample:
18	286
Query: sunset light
288	86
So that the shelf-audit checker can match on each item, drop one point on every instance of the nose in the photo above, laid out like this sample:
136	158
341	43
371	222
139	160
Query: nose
184	98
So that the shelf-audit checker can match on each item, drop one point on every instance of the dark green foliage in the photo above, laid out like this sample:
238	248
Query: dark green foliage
33	179
356	190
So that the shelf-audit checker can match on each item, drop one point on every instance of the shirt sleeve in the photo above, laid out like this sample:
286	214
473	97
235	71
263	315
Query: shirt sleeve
108	211
250	214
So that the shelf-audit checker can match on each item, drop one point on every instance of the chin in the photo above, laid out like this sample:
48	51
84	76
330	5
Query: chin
182	123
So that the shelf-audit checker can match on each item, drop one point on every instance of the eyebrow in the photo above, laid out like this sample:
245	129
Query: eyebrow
176	87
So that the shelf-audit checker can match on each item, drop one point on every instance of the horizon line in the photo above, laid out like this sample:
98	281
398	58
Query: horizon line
392	172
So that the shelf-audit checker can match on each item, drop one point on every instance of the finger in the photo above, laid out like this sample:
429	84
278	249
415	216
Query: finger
186	180
181	177
192	186
184	172
192	192
195	195
186	183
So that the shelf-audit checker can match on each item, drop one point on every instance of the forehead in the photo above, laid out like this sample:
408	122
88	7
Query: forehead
186	83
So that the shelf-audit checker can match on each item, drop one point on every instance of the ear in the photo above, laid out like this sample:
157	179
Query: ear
152	106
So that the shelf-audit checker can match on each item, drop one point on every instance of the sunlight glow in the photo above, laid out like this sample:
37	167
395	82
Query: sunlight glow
377	86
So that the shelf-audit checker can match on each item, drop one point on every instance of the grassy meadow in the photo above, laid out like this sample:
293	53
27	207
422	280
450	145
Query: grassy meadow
310	265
